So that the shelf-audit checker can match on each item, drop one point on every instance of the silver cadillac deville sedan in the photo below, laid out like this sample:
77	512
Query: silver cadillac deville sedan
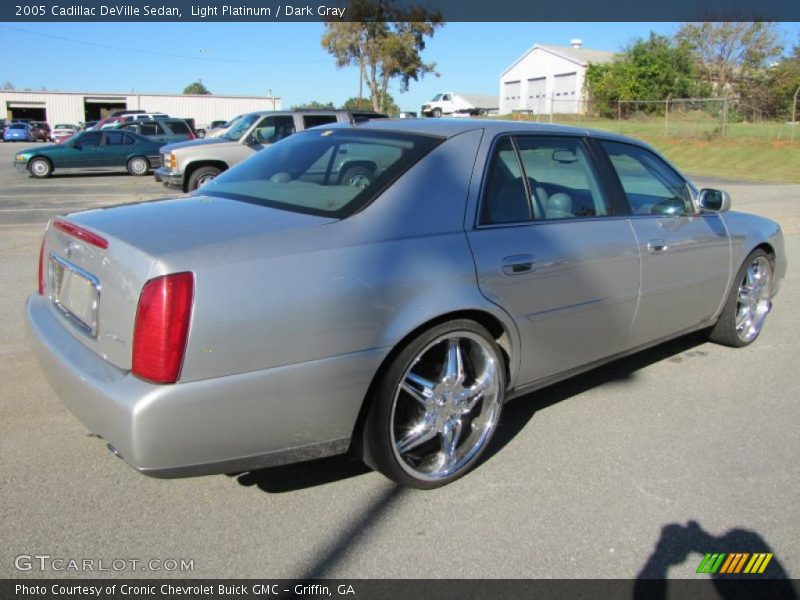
284	312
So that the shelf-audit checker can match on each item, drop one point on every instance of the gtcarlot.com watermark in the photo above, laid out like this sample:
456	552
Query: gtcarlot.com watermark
48	563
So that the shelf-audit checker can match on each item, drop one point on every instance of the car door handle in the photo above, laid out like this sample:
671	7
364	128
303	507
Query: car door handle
518	264
657	246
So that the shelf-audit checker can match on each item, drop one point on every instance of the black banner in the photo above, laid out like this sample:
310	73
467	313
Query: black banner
725	588
451	10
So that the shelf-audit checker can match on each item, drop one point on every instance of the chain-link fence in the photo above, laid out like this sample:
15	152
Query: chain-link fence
705	119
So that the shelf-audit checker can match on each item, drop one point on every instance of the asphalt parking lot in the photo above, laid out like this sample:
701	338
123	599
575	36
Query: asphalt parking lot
637	468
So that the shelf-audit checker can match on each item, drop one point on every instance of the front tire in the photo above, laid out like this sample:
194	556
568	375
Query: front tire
436	113
138	166
201	176
357	176
436	407
749	301
40	168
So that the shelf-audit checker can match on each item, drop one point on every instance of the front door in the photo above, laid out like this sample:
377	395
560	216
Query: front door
685	254
550	249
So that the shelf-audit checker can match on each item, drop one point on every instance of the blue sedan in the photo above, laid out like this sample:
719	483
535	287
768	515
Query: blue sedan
17	132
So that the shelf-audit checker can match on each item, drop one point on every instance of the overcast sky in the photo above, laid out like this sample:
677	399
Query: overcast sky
285	59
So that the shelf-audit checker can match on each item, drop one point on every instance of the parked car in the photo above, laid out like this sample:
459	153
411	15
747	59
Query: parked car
63	131
40	131
125	111
281	313
88	125
163	130
92	150
18	132
217	130
137	116
189	165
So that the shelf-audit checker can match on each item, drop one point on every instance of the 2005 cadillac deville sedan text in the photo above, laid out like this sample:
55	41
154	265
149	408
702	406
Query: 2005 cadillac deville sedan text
283	313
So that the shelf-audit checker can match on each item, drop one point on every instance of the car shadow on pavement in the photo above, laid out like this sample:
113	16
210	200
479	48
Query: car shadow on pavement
520	411
515	417
299	476
679	543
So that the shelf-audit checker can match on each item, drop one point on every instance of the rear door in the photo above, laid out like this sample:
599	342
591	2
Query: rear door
685	254
553	251
116	146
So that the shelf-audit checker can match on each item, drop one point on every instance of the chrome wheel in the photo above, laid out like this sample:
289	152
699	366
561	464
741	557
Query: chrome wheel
754	299
201	181
446	406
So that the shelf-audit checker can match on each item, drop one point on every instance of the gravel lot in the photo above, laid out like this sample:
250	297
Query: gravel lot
599	476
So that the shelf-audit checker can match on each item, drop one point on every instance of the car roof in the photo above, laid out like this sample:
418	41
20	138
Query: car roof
451	127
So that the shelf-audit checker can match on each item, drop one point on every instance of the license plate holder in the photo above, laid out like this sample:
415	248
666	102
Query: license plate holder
75	293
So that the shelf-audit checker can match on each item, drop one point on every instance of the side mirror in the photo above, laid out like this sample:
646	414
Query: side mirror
714	200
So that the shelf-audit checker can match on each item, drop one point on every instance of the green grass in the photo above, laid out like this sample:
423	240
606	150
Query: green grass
749	151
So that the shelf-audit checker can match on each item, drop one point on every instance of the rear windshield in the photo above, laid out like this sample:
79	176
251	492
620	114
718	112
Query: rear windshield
17	126
326	172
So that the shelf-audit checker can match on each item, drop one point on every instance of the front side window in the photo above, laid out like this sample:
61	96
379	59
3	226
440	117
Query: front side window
326	172
90	139
542	179
650	185
273	129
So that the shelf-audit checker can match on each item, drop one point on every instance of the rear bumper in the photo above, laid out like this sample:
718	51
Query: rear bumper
169	178
234	423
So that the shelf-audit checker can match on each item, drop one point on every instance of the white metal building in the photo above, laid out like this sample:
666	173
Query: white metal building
75	107
548	78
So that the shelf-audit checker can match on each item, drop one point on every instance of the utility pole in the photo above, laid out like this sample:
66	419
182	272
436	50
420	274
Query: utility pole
794	112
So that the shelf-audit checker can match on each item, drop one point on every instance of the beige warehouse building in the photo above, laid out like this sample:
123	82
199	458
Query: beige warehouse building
80	107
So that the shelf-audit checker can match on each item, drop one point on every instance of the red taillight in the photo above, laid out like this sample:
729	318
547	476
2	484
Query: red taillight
162	327
81	233
41	267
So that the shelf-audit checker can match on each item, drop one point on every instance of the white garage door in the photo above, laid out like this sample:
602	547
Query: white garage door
566	93
537	97
512	94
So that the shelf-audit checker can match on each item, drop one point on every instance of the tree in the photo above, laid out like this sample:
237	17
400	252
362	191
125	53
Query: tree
314	104
385	41
387	105
783	81
197	88
732	55
655	68
7	85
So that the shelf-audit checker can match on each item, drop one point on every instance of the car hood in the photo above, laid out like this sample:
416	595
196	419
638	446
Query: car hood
176	226
203	142
41	149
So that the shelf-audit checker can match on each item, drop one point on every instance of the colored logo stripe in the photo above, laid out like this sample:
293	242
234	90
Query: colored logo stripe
730	564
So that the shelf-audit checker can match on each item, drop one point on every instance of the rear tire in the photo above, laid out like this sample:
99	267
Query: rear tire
40	168
138	166
201	176
748	303
436	407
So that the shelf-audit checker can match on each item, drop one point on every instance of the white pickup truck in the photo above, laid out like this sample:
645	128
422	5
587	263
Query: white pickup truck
455	104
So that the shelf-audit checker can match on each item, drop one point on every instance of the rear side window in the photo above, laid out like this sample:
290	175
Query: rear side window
146	128
316	120
651	186
543	179
115	138
179	127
